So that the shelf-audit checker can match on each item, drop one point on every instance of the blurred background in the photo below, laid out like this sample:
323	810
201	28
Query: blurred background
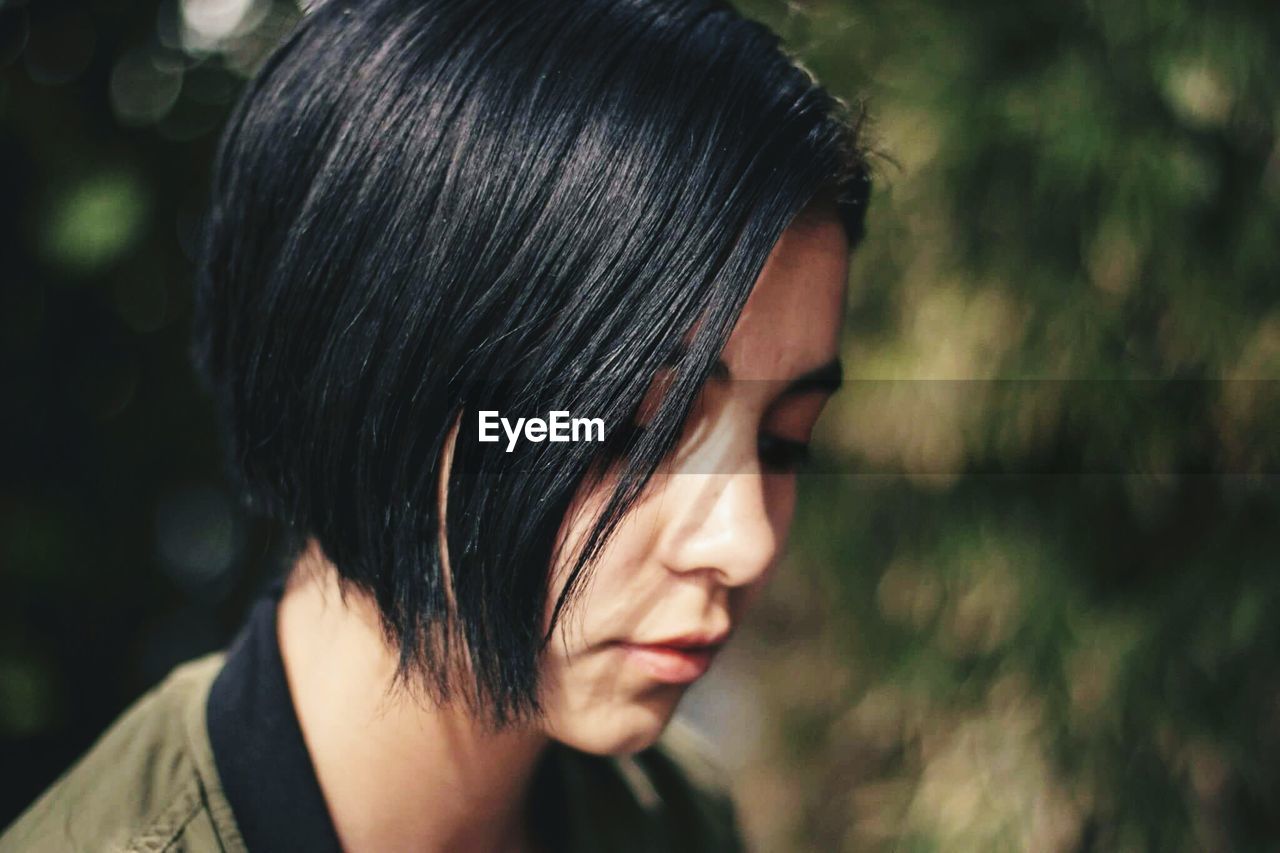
1032	597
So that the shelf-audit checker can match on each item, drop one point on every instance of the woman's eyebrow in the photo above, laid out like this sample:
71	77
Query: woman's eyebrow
826	378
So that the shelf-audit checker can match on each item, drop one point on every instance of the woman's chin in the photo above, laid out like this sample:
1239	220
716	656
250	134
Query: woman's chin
621	729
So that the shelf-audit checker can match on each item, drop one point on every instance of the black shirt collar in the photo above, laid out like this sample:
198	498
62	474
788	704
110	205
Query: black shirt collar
265	769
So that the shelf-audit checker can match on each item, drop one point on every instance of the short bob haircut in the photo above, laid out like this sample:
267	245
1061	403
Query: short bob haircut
422	208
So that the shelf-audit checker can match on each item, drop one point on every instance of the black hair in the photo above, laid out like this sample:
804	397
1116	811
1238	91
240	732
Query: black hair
425	207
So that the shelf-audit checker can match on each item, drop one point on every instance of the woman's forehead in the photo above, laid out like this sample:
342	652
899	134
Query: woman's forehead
792	320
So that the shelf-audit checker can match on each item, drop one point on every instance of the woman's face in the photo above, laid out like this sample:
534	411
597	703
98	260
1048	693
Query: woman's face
684	565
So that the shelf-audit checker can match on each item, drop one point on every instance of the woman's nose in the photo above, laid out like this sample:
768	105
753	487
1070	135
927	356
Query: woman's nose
720	523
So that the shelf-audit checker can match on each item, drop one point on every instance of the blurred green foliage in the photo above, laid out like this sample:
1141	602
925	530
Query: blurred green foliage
121	552
1049	569
1032	613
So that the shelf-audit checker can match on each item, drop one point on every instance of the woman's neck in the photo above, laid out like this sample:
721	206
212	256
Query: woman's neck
397	774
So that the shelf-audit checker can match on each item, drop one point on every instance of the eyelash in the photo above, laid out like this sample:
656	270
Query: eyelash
782	455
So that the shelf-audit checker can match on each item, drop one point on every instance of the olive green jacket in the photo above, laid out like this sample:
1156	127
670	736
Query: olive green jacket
151	784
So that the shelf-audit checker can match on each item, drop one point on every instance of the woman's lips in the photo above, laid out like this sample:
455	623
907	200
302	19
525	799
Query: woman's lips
671	664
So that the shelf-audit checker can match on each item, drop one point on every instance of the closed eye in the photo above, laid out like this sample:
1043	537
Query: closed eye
782	455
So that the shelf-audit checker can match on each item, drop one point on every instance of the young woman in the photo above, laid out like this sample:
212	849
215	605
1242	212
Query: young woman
429	213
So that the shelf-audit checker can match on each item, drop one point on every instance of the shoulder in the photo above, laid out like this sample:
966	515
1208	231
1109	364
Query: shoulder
148	783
